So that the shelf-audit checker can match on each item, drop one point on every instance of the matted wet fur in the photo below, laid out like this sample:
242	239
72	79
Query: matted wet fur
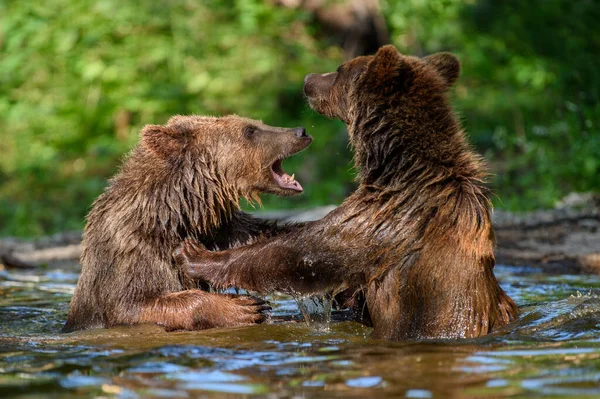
416	235
183	179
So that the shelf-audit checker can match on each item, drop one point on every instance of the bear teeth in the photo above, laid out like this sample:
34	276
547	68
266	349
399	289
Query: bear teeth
288	179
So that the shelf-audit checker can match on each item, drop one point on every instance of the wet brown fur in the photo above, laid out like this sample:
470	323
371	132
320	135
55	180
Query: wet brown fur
416	234
183	179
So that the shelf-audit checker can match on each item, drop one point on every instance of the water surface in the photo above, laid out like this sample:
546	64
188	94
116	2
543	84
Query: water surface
553	350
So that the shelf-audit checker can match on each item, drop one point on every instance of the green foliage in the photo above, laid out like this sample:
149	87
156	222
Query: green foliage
79	79
530	87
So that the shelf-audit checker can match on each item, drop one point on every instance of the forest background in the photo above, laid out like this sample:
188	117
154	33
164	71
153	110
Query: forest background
78	79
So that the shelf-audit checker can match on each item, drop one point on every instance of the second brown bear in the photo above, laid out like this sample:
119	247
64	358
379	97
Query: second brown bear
416	234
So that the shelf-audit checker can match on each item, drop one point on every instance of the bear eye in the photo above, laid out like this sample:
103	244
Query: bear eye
249	131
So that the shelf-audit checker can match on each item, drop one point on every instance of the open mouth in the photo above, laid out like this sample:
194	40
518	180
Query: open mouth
284	180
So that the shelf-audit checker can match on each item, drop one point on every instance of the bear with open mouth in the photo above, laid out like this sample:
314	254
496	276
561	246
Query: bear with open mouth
184	179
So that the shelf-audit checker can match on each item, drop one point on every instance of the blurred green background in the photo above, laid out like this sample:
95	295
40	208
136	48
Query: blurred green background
78	79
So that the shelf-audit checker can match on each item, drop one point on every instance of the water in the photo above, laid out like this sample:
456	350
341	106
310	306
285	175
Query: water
553	350
315	309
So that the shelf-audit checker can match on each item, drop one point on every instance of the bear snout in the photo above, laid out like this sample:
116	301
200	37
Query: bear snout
308	86
301	132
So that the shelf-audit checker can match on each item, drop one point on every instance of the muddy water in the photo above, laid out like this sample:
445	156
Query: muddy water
553	350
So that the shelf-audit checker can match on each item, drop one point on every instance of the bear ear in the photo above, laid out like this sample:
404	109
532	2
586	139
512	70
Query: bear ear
387	72
447	65
387	58
163	141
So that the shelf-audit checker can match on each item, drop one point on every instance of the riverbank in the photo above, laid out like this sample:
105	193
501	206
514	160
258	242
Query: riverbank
562	240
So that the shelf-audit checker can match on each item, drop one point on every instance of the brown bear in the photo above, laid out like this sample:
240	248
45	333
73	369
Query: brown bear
416	234
182	180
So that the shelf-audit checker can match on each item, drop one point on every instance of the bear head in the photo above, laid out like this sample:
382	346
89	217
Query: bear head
243	153
387	79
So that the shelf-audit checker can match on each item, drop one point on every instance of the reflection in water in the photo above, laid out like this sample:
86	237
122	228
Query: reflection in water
553	349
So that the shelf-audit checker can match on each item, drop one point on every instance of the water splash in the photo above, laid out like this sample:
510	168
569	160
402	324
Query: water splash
316	309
